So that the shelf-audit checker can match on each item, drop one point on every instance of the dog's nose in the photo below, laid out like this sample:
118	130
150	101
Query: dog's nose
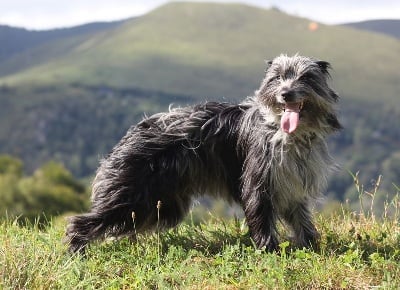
288	95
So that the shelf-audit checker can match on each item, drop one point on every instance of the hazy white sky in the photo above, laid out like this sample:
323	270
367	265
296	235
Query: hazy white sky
46	14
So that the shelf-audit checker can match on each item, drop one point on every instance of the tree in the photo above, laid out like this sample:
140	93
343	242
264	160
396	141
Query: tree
50	191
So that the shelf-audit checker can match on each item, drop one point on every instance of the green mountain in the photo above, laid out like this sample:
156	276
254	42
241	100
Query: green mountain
71	98
389	27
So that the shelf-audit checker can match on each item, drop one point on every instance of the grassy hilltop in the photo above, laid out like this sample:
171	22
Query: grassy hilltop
69	95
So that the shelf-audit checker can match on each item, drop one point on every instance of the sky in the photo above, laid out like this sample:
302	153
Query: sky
49	14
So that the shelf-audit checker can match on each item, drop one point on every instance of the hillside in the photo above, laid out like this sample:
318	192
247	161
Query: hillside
78	94
219	53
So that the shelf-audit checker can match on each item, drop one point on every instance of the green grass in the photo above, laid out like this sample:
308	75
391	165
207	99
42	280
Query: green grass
357	251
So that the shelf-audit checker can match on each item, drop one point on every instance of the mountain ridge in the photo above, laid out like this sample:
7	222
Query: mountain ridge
390	27
15	39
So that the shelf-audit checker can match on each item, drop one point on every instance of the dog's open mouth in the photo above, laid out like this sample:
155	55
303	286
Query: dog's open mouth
290	116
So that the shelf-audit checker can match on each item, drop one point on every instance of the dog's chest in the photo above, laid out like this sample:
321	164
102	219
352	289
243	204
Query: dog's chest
297	175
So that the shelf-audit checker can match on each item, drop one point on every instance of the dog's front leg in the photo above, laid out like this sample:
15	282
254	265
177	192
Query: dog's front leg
261	220
300	219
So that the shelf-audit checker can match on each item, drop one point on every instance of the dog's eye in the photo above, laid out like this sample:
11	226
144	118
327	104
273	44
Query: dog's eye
307	76
275	78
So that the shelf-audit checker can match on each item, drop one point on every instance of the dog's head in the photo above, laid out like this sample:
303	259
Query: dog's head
295	89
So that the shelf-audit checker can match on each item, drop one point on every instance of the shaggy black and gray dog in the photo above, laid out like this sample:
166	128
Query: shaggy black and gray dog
267	153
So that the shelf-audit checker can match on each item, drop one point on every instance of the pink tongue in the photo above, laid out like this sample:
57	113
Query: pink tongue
290	118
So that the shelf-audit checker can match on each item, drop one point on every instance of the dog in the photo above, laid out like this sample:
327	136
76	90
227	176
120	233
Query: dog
267	153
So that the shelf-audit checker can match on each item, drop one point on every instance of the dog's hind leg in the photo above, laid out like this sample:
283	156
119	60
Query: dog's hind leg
87	227
300	219
82	229
151	211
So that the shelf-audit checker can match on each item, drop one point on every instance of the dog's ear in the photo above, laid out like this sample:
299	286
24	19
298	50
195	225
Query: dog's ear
268	63
334	122
334	95
324	66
